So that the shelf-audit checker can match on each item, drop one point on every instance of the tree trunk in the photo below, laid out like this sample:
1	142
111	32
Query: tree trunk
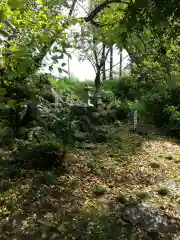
104	64
120	63
97	85
111	63
98	79
104	72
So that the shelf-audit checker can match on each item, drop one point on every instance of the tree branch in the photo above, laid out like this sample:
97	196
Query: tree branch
94	52
99	8
93	64
46	48
72	7
117	63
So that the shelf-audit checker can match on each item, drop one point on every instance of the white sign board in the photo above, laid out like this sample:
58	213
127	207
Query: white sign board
135	119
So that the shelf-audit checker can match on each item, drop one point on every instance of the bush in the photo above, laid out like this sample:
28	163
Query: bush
142	195
47	95
163	108
164	190
107	96
92	165
99	191
126	89
64	124
154	165
73	88
121	198
48	178
45	155
119	110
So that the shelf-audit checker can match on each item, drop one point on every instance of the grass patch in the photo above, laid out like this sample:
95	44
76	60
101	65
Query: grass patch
155	165
142	195
99	191
48	178
121	198
164	190
92	165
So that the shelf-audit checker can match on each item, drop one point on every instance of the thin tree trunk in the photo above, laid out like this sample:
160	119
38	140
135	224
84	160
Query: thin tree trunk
97	86
72	7
104	64
111	63
98	79
120	63
104	72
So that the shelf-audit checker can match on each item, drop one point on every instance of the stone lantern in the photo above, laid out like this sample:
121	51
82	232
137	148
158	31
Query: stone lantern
88	95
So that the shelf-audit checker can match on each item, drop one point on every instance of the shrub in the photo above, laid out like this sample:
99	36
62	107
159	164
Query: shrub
142	195
163	109
73	88
91	165
121	198
107	96
110	85
164	190
45	155
126	88
154	165
48	178
119	110
99	191
64	125
48	96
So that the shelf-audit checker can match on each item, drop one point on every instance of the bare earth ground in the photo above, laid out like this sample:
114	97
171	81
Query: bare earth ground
69	206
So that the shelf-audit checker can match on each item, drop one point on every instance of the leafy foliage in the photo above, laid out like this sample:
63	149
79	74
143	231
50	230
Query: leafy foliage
45	155
126	89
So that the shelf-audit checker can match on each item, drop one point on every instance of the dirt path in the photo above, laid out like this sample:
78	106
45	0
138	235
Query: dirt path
85	203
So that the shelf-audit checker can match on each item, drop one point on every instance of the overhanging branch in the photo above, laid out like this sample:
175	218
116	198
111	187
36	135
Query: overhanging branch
98	9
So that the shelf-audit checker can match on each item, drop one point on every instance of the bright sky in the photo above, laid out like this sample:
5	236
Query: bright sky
83	70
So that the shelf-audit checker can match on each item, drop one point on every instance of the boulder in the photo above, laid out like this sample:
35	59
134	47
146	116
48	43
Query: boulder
149	219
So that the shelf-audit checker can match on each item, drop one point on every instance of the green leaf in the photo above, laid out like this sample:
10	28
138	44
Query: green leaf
59	28
41	2
4	33
2	92
63	64
61	16
10	24
11	103
2	14
14	48
14	3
